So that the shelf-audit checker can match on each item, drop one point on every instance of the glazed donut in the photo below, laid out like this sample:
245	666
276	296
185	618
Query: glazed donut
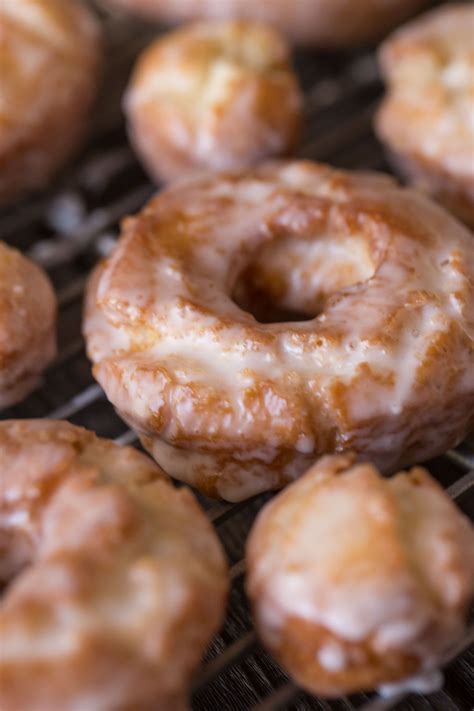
426	120
27	325
213	96
49	54
322	23
234	406
120	579
358	581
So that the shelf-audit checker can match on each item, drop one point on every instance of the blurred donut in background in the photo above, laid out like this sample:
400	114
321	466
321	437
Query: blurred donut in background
427	118
327	24
215	96
27	325
49	59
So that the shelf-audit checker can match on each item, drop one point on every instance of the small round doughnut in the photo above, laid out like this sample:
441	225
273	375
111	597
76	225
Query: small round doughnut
328	24
27	325
426	120
117	580
358	581
49	55
383	363
213	96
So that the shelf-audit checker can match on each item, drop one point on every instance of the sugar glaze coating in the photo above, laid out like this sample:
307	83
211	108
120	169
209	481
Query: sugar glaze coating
27	325
235	406
358	581
214	96
119	580
49	59
427	118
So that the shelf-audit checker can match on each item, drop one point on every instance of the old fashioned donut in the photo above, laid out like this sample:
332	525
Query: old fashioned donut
49	55
213	96
27	325
116	579
323	23
426	120
235	406
358	581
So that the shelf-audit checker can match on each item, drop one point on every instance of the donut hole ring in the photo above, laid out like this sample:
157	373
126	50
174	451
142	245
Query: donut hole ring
356	580
235	406
293	277
116	579
213	96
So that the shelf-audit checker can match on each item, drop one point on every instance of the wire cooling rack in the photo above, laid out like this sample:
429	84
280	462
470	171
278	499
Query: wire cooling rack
68	229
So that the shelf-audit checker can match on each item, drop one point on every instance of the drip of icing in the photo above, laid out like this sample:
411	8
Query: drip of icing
426	683
332	657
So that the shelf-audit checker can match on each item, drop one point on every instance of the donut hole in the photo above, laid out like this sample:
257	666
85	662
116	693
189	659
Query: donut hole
291	278
244	45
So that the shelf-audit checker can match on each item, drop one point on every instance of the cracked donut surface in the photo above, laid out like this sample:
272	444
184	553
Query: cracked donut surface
329	24
217	96
116	580
27	325
384	364
49	57
427	118
357	581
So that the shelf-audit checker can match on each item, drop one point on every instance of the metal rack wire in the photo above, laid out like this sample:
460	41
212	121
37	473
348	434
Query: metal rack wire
75	223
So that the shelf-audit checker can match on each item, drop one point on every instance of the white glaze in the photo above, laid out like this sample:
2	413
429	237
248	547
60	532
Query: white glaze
428	115
373	567
116	560
426	683
358	368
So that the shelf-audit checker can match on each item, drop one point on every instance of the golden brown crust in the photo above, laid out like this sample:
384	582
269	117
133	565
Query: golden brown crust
27	325
236	406
49	54
426	118
357	581
213	96
323	23
120	579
